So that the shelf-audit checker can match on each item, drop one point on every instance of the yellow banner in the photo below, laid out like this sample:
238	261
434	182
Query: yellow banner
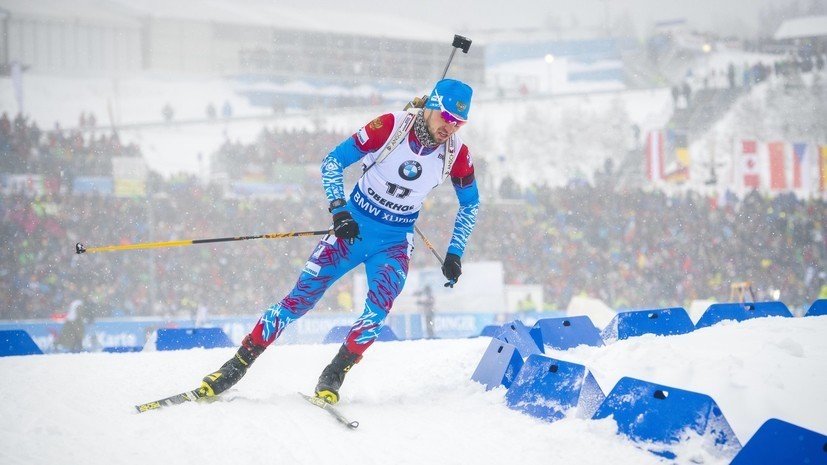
130	188
681	172
822	168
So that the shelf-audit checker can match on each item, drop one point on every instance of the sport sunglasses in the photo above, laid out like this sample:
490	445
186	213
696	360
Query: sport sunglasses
449	117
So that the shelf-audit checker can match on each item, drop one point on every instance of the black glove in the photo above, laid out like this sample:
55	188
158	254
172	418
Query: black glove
345	227
452	268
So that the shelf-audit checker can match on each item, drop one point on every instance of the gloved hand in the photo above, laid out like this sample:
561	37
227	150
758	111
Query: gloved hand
345	227
451	269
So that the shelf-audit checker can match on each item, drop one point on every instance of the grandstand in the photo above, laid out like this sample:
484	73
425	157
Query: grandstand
253	40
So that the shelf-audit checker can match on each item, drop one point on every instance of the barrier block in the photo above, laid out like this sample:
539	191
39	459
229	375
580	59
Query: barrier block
499	365
17	342
548	389
779	442
661	322
122	349
490	330
518	334
818	308
387	334
741	311
646	411
190	338
566	333
337	334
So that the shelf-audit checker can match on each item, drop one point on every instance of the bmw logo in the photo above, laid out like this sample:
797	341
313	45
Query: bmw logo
410	170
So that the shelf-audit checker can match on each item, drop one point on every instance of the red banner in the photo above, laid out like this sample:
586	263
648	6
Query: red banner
654	156
778	178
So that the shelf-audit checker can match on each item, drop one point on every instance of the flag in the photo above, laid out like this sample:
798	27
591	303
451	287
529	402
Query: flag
800	177
778	178
654	156
680	173
822	168
752	178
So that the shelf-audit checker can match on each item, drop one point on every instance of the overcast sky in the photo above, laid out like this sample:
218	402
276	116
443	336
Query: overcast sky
722	16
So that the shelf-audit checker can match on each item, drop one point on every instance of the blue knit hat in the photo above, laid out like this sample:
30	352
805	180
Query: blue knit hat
455	96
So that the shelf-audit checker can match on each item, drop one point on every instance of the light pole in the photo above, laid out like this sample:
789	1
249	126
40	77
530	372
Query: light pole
549	59
707	48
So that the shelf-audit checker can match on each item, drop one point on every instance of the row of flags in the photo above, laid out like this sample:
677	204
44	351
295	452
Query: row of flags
782	166
796	166
775	166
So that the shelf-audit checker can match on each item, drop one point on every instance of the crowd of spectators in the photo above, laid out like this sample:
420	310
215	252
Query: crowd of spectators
639	249
40	271
272	150
26	148
631	248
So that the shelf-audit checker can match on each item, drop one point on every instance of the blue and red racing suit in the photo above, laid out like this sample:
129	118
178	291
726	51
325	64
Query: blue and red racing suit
385	203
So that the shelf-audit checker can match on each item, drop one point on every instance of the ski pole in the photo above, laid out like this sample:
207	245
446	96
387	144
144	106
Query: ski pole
463	43
459	42
430	246
80	248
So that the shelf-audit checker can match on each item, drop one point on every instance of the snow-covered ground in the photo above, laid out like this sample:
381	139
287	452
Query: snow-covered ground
414	399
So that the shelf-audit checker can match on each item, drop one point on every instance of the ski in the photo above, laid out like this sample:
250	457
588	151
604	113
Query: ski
324	405
186	396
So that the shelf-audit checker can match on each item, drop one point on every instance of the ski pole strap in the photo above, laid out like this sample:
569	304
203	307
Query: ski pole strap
403	131
400	134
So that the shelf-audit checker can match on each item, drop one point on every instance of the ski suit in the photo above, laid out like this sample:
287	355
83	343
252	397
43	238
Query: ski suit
385	202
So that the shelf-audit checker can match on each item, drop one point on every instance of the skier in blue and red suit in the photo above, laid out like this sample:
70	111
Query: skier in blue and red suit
375	226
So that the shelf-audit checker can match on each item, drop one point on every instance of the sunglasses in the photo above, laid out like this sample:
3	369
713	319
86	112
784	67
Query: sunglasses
447	115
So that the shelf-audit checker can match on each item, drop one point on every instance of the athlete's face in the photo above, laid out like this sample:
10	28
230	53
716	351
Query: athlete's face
440	129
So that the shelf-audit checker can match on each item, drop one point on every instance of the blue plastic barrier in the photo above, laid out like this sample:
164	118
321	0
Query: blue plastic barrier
661	322
566	333
818	308
780	443
17	342
310	329
337	334
516	333
122	349
661	414
490	330
190	338
499	365
547	388
741	311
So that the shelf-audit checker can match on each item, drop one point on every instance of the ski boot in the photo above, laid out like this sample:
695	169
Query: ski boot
232	370
334	375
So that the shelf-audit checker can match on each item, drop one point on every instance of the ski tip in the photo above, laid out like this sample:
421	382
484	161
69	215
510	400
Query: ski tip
186	396
148	406
325	405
